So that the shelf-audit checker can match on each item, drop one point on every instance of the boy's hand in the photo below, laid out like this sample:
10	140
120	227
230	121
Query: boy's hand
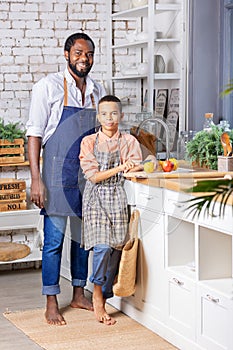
128	165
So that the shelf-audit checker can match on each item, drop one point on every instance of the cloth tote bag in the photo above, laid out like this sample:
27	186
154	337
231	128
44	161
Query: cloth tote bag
125	285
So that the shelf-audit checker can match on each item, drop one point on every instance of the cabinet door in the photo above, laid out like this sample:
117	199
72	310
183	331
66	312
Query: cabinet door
181	305
152	269
215	320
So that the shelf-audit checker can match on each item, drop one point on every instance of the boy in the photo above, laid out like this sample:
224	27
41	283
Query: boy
104	157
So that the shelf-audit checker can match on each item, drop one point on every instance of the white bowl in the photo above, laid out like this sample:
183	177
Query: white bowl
137	3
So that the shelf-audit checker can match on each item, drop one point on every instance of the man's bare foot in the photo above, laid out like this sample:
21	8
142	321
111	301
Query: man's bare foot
99	308
79	300
52	314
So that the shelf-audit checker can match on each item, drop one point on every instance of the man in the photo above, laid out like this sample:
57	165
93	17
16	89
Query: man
62	111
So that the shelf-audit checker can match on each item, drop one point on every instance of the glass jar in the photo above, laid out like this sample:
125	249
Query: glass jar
209	122
184	138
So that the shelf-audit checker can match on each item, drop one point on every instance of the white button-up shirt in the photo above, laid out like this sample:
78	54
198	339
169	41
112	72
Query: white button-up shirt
48	100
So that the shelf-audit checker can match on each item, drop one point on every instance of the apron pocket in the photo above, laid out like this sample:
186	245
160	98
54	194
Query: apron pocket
65	172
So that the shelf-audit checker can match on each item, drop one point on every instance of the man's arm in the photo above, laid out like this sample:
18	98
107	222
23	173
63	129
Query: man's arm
37	186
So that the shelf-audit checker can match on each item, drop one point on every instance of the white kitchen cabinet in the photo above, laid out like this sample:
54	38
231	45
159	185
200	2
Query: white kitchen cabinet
198	256
158	28
149	292
152	263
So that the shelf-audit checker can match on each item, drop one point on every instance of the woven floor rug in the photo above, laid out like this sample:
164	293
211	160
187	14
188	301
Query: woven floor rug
83	332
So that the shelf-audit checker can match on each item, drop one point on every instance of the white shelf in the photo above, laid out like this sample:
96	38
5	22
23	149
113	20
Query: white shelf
157	76
144	43
220	285
128	45
135	12
167	76
167	7
127	77
143	10
20	219
183	270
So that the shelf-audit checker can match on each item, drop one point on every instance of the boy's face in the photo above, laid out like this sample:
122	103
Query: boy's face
109	116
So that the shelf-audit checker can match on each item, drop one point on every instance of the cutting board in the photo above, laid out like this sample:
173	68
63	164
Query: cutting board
13	251
206	174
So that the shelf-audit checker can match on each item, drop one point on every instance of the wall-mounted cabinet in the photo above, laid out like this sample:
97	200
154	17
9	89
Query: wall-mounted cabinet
147	52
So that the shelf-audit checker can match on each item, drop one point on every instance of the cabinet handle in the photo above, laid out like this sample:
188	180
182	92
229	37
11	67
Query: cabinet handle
176	204
147	196
209	297
179	283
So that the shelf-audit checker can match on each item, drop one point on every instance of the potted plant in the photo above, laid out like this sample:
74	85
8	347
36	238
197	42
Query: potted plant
203	150
12	139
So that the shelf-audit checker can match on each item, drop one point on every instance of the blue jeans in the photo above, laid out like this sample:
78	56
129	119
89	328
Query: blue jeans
105	267
54	231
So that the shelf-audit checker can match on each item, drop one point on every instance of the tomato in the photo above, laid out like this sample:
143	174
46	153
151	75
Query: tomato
167	166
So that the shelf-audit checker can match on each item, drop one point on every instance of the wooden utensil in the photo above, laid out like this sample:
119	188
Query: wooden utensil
226	143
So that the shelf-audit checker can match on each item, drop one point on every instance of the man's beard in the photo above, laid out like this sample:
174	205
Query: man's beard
80	74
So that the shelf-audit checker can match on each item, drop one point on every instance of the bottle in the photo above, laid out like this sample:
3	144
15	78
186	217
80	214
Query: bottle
184	138
208	123
224	125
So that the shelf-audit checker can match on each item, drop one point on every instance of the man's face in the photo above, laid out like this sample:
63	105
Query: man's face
80	58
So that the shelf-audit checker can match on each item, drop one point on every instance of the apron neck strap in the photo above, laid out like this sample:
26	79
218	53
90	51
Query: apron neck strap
65	93
66	96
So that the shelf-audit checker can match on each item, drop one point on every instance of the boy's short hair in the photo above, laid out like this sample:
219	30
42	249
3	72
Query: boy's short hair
111	98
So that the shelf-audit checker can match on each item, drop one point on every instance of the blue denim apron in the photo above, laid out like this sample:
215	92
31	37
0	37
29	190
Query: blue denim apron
61	167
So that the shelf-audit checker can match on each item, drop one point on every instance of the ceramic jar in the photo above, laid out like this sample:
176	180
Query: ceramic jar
124	5
137	3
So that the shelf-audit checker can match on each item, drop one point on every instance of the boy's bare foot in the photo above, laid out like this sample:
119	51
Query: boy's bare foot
79	300
52	314
99	308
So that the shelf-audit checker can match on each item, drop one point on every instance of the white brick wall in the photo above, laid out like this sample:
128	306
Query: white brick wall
32	36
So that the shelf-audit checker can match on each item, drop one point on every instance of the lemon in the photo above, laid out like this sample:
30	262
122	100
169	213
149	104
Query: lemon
149	167
174	161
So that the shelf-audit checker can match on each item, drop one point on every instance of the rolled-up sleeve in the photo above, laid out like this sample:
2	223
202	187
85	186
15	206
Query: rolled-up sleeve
130	149
88	161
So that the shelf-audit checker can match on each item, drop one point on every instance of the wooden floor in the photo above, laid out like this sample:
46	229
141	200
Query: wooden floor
21	290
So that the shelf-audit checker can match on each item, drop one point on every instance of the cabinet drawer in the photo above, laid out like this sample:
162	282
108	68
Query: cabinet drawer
149	197
175	203
214	220
215	318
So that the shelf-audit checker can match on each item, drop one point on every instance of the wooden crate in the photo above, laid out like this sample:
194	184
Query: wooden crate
12	152
12	195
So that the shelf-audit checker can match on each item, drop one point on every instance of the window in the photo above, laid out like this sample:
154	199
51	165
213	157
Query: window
228	58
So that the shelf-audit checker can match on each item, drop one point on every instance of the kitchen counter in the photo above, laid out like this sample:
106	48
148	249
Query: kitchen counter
185	263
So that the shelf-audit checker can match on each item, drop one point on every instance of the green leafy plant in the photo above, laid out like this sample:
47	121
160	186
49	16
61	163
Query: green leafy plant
11	131
205	148
228	89
216	191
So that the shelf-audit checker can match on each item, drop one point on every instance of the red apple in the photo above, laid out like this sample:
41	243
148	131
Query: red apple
167	166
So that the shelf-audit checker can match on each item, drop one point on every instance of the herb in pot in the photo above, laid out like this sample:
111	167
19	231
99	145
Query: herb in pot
11	131
205	148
